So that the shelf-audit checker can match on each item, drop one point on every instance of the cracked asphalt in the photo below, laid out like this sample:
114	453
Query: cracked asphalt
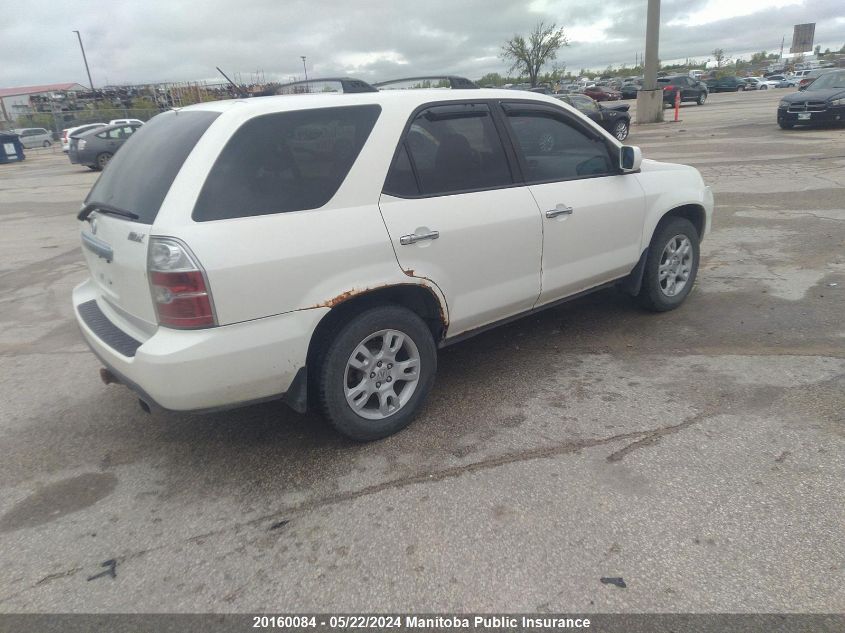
697	454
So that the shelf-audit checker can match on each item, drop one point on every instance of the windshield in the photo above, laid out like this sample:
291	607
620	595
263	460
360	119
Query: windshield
828	81
139	176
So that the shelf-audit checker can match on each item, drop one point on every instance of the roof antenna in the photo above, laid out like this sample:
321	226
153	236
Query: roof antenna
240	91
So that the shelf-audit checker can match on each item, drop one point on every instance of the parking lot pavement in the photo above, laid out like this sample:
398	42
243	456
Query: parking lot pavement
698	454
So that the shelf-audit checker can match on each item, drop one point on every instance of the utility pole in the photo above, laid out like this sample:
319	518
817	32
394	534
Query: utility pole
650	98
782	40
304	68
85	59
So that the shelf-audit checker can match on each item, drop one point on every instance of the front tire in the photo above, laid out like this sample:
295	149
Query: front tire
46	144
671	265
620	130
702	98
377	372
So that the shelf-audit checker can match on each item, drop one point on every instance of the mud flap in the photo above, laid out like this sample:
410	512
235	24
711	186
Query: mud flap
634	281
296	396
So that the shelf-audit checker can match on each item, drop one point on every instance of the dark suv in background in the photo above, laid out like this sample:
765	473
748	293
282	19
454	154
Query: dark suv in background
690	89
726	84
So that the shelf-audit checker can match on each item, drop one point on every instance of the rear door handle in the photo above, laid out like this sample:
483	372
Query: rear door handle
560	209
418	237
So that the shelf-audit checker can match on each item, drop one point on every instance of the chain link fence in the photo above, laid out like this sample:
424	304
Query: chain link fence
58	121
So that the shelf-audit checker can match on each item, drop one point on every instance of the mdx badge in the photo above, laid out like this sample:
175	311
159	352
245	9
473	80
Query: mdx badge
136	237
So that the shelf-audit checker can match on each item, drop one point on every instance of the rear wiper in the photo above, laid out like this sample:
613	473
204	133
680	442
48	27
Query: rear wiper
105	208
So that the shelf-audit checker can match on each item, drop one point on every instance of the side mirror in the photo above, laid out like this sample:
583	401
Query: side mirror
630	158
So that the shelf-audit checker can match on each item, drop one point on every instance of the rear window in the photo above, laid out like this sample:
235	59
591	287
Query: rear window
287	161
140	174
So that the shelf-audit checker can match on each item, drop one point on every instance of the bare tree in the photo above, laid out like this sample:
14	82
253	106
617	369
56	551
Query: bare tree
719	57
529	56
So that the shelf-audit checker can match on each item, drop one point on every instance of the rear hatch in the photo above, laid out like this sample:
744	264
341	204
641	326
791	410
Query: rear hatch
121	208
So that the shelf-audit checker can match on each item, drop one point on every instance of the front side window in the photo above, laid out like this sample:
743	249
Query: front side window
554	149
286	161
585	104
454	148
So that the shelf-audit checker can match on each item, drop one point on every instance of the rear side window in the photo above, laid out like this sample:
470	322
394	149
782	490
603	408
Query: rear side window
453	148
288	161
140	174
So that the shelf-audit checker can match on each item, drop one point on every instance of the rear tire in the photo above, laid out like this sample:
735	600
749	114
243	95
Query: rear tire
103	160
46	144
702	98
670	272
361	388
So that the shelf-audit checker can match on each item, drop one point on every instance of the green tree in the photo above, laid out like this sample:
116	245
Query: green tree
529	56
491	79
757	58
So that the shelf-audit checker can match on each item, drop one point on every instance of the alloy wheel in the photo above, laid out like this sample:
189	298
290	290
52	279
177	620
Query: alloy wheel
675	265
381	374
620	131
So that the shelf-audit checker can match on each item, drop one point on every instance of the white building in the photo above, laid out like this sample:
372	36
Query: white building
17	101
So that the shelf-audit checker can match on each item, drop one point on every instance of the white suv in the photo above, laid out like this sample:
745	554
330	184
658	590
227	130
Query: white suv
320	248
35	137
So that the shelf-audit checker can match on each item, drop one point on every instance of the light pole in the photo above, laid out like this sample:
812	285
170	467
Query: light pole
650	98
304	68
85	59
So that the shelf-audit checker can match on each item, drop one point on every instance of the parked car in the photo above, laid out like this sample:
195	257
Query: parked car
811	76
726	84
630	90
788	82
690	89
823	101
602	93
35	137
228	266
126	122
11	148
758	83
79	129
615	119
95	148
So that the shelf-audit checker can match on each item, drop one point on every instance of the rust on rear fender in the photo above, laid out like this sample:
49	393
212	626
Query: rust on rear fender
355	292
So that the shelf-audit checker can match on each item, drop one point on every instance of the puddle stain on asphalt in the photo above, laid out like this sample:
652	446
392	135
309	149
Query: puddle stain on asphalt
58	499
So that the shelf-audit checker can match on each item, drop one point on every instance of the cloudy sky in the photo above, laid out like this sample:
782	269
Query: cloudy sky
129	41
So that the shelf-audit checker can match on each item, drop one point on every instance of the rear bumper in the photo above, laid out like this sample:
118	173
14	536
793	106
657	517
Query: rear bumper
200	370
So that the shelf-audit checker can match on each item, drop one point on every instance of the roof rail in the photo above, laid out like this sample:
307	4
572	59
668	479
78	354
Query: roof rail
429	81
326	84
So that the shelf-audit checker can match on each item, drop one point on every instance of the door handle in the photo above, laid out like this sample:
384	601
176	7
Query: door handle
418	237
560	209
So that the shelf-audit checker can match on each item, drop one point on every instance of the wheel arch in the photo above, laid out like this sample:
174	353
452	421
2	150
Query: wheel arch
693	212
421	299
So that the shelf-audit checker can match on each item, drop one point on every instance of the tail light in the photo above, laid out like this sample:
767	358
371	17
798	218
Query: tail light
668	87
178	285
81	143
